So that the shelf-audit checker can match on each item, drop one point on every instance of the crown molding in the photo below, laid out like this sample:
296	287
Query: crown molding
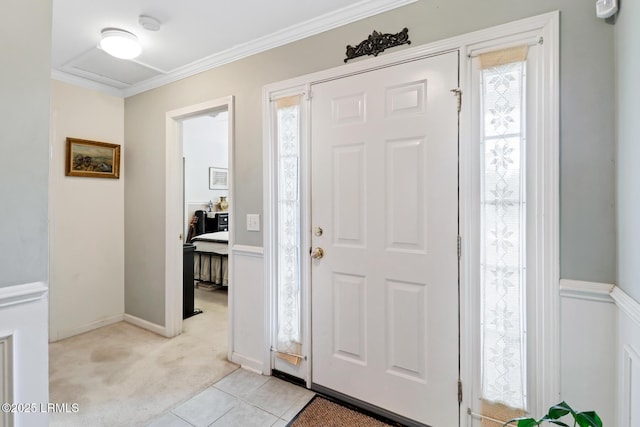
361	10
86	83
355	12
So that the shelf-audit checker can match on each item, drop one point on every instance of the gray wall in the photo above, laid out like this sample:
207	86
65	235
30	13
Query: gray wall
627	36
587	125
24	122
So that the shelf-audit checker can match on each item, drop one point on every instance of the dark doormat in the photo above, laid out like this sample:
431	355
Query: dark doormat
323	412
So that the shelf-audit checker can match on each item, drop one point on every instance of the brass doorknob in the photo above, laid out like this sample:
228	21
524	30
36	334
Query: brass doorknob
317	253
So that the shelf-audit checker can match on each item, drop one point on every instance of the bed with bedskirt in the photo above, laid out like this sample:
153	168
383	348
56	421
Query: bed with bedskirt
210	260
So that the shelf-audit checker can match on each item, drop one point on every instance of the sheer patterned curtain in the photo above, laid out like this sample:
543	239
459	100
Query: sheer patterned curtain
288	233
503	220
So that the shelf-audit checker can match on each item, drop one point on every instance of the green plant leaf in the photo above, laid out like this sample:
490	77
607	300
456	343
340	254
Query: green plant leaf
528	422
559	411
558	423
552	421
583	419
522	422
588	419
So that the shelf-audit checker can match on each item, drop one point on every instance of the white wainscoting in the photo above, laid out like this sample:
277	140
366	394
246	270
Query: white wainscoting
628	358
600	351
23	322
247	305
588	347
6	377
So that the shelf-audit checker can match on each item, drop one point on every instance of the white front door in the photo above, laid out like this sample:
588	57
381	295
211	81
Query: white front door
384	150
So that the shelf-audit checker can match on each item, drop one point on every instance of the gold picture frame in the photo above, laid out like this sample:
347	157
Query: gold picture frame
92	159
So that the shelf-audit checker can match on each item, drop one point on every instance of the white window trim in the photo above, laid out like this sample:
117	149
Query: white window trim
546	327
270	225
543	225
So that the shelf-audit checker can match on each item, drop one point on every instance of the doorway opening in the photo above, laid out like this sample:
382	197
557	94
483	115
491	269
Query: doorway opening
198	225
205	151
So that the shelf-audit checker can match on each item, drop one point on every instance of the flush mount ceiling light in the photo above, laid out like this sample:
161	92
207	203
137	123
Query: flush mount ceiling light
120	43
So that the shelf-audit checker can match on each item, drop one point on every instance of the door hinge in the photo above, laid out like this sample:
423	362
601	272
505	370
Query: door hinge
459	247
459	391
458	93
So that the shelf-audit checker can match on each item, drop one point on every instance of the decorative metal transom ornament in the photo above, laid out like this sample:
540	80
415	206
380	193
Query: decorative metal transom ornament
376	43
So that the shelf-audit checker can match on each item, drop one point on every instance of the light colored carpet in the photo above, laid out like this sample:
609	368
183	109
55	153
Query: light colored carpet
122	375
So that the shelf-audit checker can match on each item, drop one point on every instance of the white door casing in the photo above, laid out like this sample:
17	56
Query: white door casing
546	324
384	150
174	213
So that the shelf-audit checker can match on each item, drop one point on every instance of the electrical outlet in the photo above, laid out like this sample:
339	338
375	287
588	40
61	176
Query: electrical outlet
253	222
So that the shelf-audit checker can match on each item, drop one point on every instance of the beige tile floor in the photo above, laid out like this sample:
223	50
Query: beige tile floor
242	398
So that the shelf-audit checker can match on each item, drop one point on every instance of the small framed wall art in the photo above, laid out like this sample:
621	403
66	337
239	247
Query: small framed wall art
92	159
218	178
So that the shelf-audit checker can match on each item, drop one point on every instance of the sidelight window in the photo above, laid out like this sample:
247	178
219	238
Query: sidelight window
288	268
503	232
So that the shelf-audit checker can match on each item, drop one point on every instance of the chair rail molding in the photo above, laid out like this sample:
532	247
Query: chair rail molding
626	304
603	292
20	294
257	251
591	291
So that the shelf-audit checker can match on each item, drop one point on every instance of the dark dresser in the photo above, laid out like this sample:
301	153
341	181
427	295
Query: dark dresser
188	296
219	222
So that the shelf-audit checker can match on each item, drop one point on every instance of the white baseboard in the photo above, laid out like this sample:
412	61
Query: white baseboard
66	333
144	324
248	363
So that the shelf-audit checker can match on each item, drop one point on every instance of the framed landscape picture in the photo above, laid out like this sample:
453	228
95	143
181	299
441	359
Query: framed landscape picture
92	159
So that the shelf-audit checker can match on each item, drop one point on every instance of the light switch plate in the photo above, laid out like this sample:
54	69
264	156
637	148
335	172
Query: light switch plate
253	222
